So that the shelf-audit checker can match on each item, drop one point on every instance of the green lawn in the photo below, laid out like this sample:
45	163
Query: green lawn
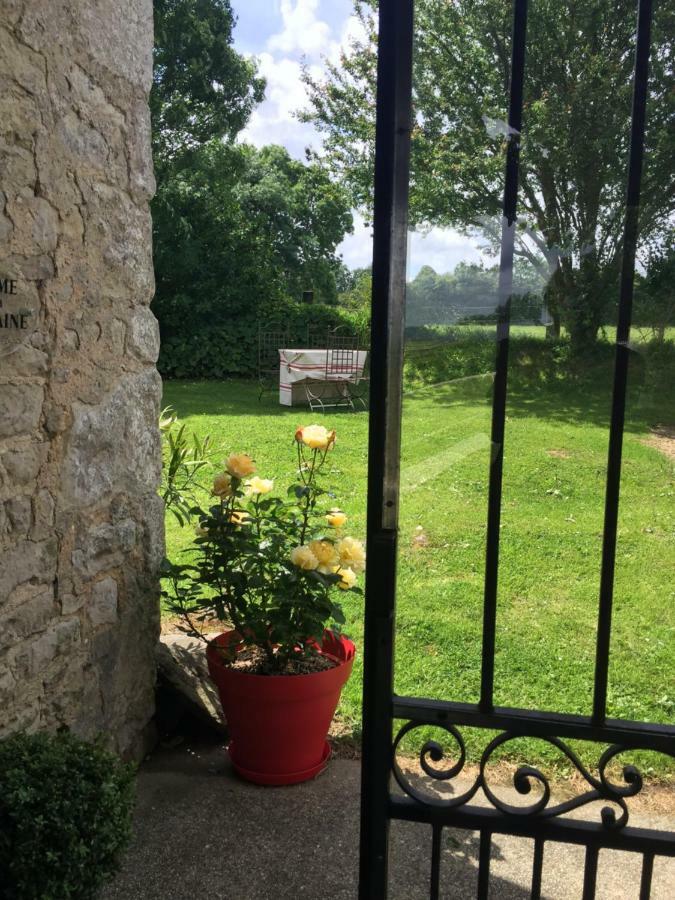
555	457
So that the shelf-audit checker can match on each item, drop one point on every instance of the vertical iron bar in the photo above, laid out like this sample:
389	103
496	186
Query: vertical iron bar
637	140
646	878
484	865
435	880
504	314
590	872
537	866
392	153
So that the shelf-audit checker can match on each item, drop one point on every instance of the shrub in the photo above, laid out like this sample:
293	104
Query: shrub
65	816
458	354
231	347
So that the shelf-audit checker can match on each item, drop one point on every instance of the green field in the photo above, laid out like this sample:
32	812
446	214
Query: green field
554	475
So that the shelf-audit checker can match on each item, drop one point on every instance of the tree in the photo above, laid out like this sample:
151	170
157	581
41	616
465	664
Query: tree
574	150
236	230
202	88
655	292
240	227
469	294
356	290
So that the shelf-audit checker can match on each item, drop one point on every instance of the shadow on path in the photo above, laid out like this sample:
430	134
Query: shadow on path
203	833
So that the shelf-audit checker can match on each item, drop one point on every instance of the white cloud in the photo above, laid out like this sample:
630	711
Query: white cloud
274	122
357	248
307	38
352	31
302	31
304	39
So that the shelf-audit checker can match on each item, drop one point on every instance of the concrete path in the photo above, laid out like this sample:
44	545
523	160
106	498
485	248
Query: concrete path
203	834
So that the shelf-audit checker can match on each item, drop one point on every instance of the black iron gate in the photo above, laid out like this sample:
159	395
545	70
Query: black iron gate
541	821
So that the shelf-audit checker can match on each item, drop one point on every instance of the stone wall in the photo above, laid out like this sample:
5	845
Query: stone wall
81	531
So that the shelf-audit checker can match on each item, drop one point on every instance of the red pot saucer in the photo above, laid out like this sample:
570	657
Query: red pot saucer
285	778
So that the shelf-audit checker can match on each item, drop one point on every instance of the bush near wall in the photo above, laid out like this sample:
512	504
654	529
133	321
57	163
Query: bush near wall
65	816
230	347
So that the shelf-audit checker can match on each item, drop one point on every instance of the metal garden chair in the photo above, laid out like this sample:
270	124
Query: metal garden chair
269	344
342	370
360	389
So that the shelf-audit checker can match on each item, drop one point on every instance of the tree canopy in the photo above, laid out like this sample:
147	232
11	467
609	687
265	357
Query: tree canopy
202	88
237	231
240	226
578	88
469	294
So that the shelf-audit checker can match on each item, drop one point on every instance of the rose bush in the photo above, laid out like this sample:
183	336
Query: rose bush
270	567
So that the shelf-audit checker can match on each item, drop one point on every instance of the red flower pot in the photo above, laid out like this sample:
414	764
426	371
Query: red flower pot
278	723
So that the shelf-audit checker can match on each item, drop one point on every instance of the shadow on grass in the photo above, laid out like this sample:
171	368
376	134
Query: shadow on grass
574	393
235	397
543	383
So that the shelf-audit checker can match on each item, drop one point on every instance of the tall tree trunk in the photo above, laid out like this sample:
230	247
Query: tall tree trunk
552	297
585	304
553	330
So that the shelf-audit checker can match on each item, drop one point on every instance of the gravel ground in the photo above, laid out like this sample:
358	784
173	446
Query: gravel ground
203	833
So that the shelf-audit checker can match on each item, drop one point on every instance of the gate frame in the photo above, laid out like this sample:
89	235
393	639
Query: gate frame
539	821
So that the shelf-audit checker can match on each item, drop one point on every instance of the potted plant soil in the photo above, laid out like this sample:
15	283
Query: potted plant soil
272	569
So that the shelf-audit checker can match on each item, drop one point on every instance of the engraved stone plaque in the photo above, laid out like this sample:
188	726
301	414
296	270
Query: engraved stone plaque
18	313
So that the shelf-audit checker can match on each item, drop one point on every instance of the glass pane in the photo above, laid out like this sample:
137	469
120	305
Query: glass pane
574	154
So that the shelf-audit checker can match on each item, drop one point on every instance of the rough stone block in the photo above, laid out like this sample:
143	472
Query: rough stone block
27	560
71	603
20	408
143	336
23	715
153	541
103	547
22	464
32	609
7	687
117	49
25	361
115	444
182	661
103	605
18	512
70	340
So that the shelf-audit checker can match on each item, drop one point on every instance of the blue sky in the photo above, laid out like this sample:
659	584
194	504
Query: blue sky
284	34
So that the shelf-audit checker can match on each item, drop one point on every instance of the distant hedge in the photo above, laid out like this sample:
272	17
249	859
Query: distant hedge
230	347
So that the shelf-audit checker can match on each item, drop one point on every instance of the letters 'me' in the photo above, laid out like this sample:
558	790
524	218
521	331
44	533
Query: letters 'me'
7	286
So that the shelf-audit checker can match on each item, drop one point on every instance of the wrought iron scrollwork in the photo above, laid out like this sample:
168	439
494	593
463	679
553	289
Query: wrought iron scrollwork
432	754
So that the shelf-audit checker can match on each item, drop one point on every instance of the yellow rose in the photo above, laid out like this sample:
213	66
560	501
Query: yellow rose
303	558
352	554
325	554
347	579
238	517
257	485
316	437
336	518
222	486
240	465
